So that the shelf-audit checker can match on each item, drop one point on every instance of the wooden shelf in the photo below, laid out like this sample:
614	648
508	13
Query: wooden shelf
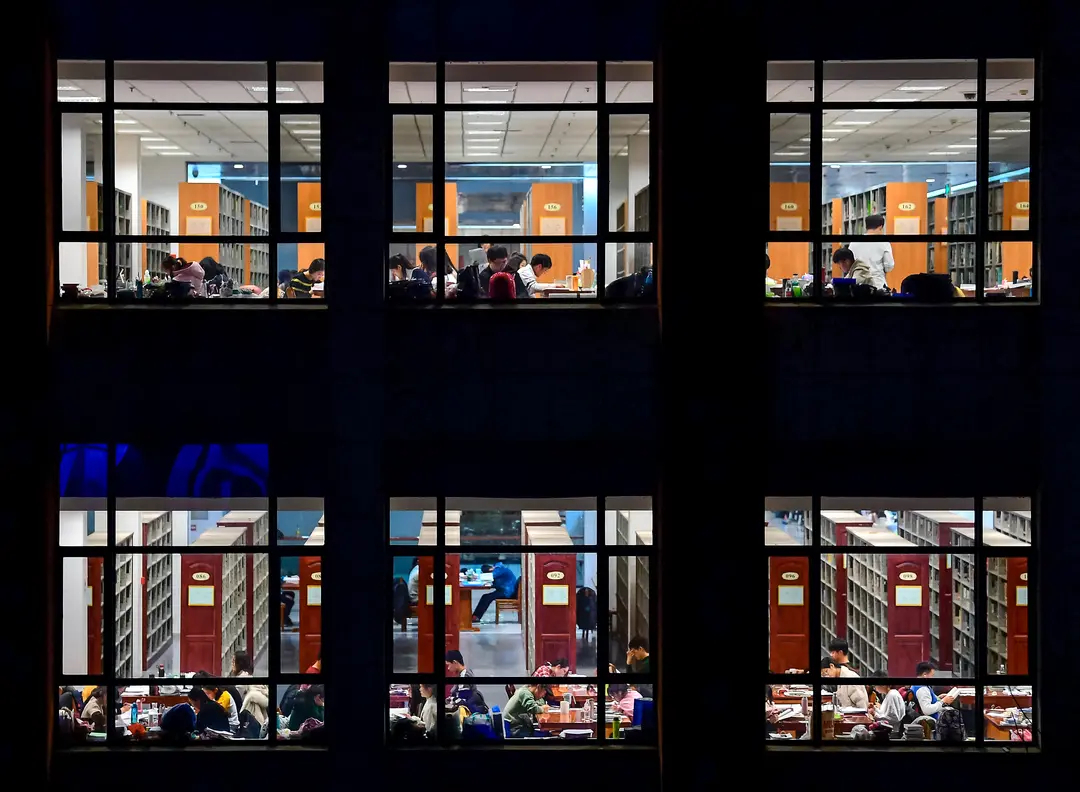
211	633
256	528
157	580
123	615
156	221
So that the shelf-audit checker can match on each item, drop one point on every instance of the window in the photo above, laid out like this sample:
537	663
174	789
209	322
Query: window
539	170
913	180
526	585
175	562
171	170
903	589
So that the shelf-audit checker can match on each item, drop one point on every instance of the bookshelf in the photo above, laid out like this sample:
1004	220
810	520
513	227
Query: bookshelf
622	262
1008	211
904	205
256	526
96	265
156	221
214	606
157	576
125	581
639	622
257	257
213	210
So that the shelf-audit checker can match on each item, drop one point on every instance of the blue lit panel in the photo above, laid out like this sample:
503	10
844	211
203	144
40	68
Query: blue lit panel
83	469
192	471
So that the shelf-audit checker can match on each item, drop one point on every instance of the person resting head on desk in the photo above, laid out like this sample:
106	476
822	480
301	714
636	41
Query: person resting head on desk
556	668
624	698
223	696
208	713
523	707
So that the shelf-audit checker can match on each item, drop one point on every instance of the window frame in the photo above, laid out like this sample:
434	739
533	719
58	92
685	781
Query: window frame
604	235
981	553
603	551
984	109
110	552
111	240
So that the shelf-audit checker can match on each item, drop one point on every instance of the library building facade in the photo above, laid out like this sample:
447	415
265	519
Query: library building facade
233	394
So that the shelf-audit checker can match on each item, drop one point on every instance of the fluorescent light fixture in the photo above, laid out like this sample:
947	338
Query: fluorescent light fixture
931	181
921	88
486	123
990	138
835	167
487	101
963	146
301	122
485	112
487	89
871	110
905	99
79	99
291	101
854	123
163	148
546	167
805	140
174	153
484	131
402	166
940	153
68	88
132	131
1010	131
311	140
152	140
279	89
789	154
483	153
834	131
829	140
1025	120
622	154
481	227
124	121
483	148
238	165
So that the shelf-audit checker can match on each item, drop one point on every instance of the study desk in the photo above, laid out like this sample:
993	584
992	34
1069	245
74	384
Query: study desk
996	729
161	701
796	726
465	606
550	721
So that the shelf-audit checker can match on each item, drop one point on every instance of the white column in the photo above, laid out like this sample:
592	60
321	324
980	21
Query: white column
590	558
127	180
617	188
73	532
637	172
181	530
73	194
129	521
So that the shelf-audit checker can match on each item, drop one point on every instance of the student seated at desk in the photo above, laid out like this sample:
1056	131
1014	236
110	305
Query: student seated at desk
859	271
178	720
928	702
624	698
308	703
223	697
208	713
556	668
463	693
523	707
94	711
851	696
890	707
505	582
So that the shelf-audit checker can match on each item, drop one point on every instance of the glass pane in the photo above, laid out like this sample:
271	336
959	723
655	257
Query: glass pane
788	273
306	716
412	83
789	172
901	81
515	613
1009	195
520	83
631	271
629	81
1010	268
81	173
301	522
630	637
514	522
788	521
302	272
83	620
928	522
299	83
193	471
412	619
155	271
80	82
629	521
891	612
178	614
628	194
790	81
73	727
83	468
1007	588
299	614
301	175
1008	713
190	81
497	177
413	713
1010	80
789	613
83	271
407	518
1011	517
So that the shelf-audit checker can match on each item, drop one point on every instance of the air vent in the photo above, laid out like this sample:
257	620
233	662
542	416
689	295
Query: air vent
190	115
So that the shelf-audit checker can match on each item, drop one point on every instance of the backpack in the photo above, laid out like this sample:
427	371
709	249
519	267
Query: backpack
289	700
468	283
912	710
950	726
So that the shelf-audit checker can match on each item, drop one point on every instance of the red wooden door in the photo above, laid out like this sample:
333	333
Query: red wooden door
425	611
200	613
1016	615
909	613
311	589
789	613
555	628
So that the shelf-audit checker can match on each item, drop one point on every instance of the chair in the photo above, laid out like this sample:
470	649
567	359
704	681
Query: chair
512	603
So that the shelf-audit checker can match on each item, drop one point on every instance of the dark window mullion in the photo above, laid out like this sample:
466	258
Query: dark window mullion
273	644
603	638
438	198
815	599
817	156
108	586
108	183
603	178
438	602
274	187
982	184
981	654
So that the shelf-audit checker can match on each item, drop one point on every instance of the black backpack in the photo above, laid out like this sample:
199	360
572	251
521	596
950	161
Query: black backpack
468	283
289	700
950	726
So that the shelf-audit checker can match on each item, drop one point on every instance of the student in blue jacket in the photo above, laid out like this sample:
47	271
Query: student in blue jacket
505	588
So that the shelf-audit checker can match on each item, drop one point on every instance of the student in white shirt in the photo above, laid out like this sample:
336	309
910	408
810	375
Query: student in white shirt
541	263
877	255
846	696
414	581
890	706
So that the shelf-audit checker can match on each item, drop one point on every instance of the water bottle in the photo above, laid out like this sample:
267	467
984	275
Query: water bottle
135	712
1001	670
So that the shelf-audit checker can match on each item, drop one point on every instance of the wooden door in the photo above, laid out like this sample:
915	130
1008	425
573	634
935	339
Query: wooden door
909	613
95	582
789	613
310	610
1016	615
200	613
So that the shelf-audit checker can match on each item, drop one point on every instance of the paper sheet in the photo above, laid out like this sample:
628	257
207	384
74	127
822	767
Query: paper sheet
552	226
906	225
313	225
788	223
1019	223
199	226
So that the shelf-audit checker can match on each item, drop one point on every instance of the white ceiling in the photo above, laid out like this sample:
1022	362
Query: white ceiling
196	92
916	135
514	136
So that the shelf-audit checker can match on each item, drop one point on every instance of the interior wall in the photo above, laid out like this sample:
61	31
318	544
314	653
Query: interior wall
73	532
160	183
